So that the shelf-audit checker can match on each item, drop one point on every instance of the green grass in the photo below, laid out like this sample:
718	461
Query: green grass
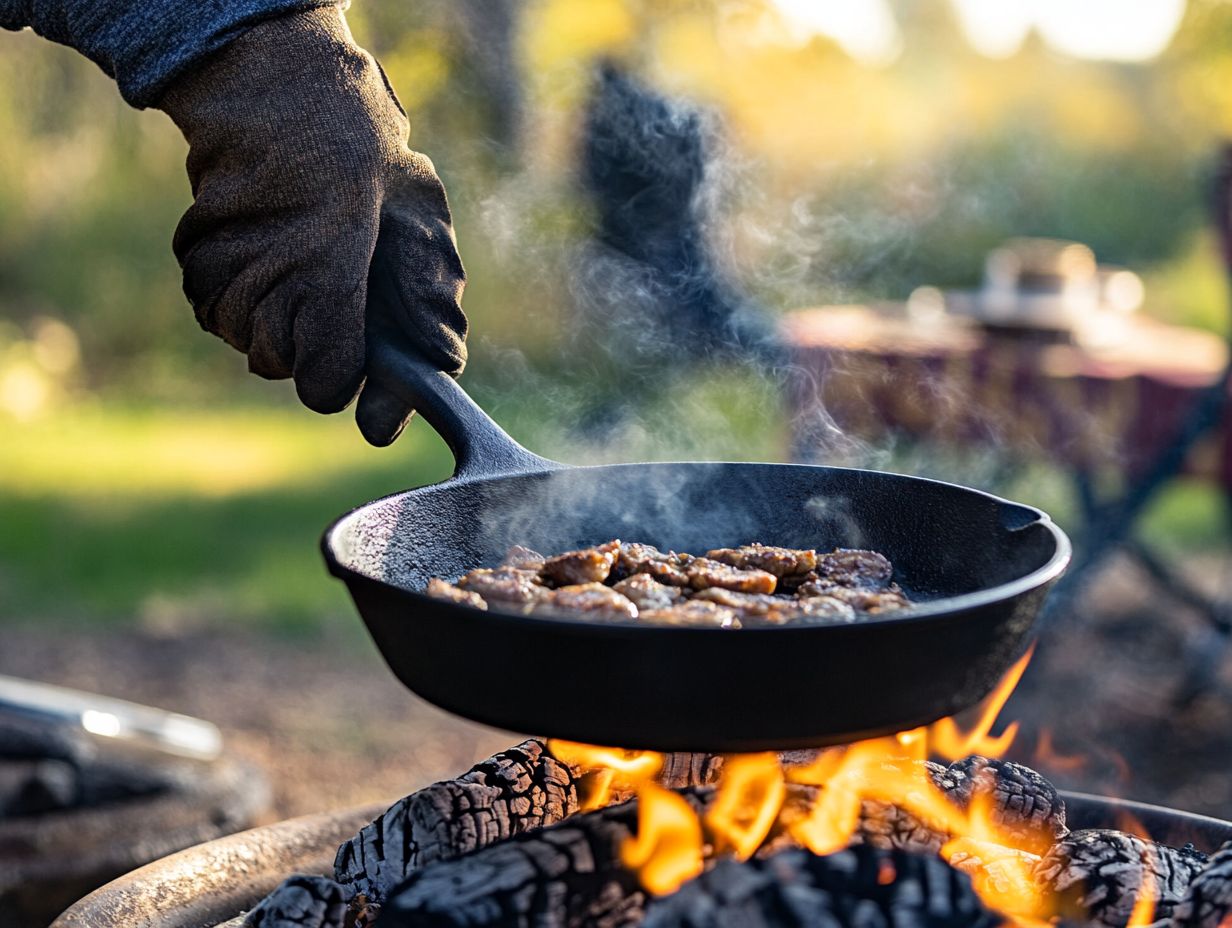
167	516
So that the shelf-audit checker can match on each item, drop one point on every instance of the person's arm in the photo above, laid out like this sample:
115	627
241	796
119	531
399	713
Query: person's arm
306	196
144	46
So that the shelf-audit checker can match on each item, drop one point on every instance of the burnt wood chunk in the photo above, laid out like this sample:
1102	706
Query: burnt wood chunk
587	565
704	573
1208	901
569	874
885	825
301	902
1027	809
782	562
517	790
861	887
1097	875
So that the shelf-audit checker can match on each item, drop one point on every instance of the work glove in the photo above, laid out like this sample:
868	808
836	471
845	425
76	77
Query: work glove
313	225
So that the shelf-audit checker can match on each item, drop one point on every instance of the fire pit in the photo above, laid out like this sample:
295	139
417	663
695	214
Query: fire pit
500	814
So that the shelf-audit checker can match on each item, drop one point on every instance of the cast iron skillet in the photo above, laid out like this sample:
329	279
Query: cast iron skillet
979	565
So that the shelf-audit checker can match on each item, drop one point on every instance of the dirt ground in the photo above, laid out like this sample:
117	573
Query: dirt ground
331	727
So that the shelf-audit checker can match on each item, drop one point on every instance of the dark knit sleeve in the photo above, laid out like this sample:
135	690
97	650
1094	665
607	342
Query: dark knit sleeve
145	45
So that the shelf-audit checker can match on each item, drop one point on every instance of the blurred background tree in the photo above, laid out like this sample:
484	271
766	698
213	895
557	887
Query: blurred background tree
867	148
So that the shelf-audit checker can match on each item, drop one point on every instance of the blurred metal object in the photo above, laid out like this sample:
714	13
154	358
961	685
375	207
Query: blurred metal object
1043	285
108	718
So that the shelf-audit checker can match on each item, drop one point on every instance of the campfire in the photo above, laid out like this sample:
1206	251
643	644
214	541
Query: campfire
928	827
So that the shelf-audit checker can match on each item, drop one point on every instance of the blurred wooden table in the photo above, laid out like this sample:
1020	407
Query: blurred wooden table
1147	403
1092	407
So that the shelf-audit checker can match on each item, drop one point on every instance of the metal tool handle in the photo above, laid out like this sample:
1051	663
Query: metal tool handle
109	718
480	447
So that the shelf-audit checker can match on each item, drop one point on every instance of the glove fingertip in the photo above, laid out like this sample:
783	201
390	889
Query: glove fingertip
380	415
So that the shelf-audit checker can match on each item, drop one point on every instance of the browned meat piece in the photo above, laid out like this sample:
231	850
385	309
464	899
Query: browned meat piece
588	565
704	573
782	562
506	584
889	599
523	558
648	593
759	609
585	600
829	608
647	559
441	589
854	567
694	612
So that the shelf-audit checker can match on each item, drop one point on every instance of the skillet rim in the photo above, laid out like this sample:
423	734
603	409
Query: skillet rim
930	610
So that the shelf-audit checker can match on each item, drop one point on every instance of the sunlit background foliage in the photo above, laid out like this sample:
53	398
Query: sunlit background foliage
867	148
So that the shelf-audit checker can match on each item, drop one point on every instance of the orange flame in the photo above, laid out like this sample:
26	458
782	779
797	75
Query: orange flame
751	800
668	847
1047	756
750	795
945	740
607	769
1143	912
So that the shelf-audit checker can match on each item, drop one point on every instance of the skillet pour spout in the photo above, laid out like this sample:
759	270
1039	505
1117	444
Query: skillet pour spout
977	566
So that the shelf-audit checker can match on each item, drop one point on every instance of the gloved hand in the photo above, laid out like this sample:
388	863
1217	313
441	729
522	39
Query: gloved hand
313	224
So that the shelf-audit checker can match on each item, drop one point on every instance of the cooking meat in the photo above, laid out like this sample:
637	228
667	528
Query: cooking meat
829	608
694	612
854	567
667	568
594	600
746	586
523	558
704	573
782	562
442	589
758	608
506	584
588	565
873	602
648	593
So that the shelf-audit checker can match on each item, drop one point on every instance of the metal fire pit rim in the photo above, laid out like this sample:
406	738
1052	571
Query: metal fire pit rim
139	899
186	889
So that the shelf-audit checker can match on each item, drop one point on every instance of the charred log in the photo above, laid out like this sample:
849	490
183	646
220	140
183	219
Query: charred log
1028	810
861	886
568	874
1208	901
1098	875
301	902
515	791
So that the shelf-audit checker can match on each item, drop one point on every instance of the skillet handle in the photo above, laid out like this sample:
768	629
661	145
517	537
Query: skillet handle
480	447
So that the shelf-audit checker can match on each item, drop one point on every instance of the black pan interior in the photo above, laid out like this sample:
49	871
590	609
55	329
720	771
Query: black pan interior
944	540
